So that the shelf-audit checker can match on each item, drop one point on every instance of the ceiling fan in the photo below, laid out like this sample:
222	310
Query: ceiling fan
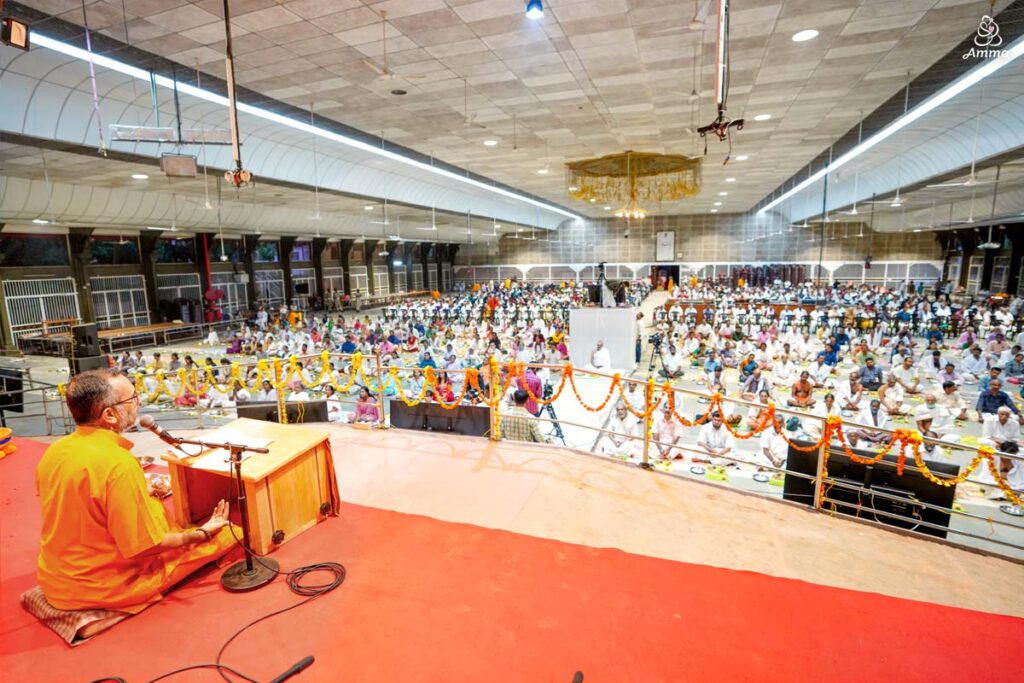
384	72
467	120
856	175
385	213
972	178
990	244
894	203
697	23
970	215
433	222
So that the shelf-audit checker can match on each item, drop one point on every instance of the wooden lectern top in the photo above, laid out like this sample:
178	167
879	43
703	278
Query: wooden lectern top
287	442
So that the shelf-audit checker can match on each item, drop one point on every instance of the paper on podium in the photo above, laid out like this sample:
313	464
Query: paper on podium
217	459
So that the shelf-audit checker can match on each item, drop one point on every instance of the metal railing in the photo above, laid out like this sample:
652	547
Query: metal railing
34	408
491	385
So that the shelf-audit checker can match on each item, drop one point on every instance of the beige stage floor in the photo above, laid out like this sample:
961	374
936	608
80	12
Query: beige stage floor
551	492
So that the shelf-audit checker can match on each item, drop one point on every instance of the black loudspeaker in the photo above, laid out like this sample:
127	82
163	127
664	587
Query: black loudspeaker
85	339
594	294
11	390
303	411
876	492
302	288
83	363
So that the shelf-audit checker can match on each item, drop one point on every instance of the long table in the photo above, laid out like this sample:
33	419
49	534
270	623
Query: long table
121	338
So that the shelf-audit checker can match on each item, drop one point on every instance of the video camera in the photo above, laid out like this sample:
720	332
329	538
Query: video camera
657	339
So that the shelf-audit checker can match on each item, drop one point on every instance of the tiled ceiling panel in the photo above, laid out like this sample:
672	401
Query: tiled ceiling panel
593	77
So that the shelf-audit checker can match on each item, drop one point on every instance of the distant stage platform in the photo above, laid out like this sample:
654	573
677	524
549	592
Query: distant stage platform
470	560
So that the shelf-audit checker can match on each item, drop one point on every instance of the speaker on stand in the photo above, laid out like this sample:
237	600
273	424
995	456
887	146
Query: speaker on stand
85	340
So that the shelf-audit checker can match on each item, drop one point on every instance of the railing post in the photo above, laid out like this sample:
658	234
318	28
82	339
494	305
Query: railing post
282	410
646	464
818	473
380	391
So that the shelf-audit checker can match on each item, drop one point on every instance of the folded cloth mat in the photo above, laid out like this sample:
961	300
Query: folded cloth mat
74	626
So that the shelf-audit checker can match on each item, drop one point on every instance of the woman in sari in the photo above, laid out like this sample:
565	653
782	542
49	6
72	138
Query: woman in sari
366	408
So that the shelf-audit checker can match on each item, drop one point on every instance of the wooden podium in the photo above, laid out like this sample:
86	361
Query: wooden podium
287	490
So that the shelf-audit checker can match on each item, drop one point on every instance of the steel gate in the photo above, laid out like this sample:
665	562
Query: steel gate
119	301
30	302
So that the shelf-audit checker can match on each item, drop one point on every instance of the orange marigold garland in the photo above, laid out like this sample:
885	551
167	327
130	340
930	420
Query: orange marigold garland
599	408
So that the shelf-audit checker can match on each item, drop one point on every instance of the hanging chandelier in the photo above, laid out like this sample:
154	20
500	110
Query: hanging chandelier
630	178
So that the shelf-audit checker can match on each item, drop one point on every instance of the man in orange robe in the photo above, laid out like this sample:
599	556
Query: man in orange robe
106	541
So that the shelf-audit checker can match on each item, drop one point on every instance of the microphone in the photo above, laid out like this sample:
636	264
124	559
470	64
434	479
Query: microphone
296	668
147	422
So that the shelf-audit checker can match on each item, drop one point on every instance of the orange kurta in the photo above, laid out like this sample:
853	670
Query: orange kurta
100	528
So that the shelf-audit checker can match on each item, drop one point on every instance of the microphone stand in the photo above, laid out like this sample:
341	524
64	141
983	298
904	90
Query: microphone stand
244	575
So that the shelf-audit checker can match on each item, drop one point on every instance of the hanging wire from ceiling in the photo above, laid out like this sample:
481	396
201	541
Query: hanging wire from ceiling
92	79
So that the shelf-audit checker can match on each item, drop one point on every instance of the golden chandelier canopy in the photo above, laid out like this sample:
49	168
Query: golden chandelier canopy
629	178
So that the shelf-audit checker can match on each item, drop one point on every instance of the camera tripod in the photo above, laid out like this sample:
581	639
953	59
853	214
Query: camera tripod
549	410
655	356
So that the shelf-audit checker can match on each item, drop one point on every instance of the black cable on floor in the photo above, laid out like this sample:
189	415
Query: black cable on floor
295	580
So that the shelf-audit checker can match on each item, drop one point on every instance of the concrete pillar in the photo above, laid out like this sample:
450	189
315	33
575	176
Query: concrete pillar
345	247
285	245
369	246
147	252
80	243
249	245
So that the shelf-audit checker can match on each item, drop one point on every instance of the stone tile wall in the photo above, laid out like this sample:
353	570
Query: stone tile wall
708	238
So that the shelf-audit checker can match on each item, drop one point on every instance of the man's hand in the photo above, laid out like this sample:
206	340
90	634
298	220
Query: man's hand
218	520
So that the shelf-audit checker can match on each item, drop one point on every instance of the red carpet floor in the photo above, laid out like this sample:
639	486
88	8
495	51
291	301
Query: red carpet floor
434	601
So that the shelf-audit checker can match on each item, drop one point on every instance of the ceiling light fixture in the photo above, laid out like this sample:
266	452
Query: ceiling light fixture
730	180
742	157
369	207
714	210
534	9
490	143
723	194
805	35
140	176
105	62
607	208
718	203
972	77
40	221
762	117
542	171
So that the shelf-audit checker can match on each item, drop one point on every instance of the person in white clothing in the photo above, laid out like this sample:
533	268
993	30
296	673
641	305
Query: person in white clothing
297	392
929	451
999	429
715	440
1001	432
907	376
266	392
335	413
873	415
974	366
623	440
820	374
600	358
850	393
784	372
823	410
772	449
942	418
891	395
